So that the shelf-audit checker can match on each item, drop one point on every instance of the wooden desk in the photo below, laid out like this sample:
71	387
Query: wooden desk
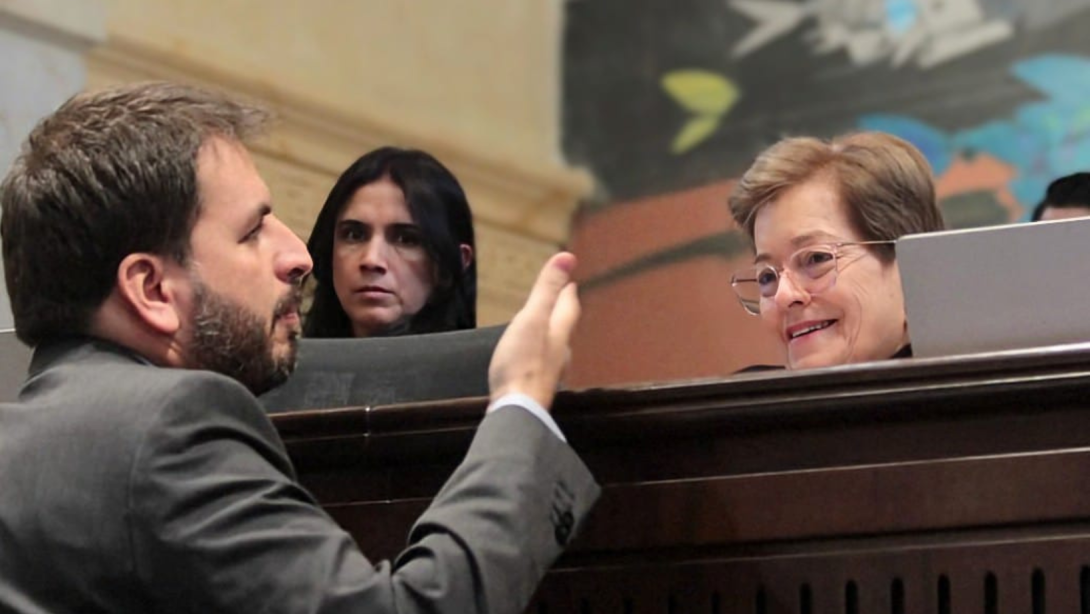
941	485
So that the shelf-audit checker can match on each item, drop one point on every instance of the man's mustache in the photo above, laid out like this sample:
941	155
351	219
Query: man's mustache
289	303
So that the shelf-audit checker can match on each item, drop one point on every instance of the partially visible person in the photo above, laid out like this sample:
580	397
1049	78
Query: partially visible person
140	473
1066	197
393	250
823	217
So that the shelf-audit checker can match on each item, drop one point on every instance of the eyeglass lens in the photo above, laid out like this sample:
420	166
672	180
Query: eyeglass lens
809	267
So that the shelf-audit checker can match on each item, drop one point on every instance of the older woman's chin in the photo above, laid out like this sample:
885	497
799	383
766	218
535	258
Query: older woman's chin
831	357
820	349
813	362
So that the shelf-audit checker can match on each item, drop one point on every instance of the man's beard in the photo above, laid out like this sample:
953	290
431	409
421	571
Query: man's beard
230	339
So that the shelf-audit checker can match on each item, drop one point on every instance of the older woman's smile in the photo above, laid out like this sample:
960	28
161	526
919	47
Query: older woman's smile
802	329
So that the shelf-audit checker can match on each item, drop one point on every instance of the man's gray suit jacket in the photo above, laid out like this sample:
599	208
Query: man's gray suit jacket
126	487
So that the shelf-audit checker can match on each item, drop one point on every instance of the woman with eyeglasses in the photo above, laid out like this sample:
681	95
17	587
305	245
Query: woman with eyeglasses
393	250
823	217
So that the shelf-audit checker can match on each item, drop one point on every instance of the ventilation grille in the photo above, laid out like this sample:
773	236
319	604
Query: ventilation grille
1048	576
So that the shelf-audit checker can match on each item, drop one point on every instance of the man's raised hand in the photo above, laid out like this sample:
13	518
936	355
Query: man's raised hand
533	352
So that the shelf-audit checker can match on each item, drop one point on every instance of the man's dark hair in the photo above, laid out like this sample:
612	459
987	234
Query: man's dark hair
1067	191
108	174
438	205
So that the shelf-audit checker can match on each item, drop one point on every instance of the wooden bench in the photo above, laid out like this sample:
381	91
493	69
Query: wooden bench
955	485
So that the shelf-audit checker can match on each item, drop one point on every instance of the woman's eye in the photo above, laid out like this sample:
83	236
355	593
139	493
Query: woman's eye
766	277
352	234
816	258
407	238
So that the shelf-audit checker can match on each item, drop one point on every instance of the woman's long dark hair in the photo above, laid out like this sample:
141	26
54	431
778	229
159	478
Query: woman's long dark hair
438	206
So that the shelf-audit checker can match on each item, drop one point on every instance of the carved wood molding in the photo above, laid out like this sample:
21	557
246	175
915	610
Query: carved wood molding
527	196
73	24
522	208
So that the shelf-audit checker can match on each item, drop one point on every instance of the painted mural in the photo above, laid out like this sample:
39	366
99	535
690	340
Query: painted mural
922	32
666	102
1039	141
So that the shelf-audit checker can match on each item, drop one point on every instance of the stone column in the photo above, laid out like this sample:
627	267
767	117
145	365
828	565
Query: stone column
42	47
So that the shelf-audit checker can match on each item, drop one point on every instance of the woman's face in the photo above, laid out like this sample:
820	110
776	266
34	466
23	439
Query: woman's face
381	272
860	317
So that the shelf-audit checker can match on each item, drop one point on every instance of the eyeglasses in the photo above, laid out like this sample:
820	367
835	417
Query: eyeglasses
813	269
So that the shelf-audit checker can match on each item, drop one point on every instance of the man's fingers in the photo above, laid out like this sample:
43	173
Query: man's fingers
531	353
565	316
554	276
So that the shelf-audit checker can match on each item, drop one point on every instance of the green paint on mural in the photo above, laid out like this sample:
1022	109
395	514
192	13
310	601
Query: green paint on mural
694	132
972	210
707	96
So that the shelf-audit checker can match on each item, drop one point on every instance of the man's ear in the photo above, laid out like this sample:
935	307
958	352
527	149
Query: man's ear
467	255
149	287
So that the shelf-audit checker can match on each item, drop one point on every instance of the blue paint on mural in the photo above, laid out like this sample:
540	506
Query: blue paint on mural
1042	141
901	15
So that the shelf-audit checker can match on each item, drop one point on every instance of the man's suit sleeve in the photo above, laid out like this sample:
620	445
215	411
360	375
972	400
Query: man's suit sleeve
517	497
219	524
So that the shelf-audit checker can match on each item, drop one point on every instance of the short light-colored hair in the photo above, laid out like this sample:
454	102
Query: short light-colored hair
884	181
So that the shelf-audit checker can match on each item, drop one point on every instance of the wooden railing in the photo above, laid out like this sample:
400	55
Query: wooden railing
957	485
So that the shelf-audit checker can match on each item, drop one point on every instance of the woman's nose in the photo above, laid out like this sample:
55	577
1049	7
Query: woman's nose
789	292
375	255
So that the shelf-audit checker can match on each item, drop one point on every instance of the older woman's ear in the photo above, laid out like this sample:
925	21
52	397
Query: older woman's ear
467	255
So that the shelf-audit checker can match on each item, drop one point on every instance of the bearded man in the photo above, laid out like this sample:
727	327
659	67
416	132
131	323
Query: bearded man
140	474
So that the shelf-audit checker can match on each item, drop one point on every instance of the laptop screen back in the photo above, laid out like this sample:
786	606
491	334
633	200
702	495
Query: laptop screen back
997	288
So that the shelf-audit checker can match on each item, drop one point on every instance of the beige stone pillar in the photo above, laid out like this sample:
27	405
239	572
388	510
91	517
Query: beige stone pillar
475	82
42	44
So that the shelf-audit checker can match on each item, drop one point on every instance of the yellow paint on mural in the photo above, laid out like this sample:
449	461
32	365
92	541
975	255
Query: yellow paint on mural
708	96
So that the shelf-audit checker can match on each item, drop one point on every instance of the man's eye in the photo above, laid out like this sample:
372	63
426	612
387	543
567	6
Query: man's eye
254	232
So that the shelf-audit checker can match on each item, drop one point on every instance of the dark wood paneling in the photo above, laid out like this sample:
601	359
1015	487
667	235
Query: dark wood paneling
939	485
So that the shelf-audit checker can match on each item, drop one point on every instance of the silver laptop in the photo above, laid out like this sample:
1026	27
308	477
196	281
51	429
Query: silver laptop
997	288
14	361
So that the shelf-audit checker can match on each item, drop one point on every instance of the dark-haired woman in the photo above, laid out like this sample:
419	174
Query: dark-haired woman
393	250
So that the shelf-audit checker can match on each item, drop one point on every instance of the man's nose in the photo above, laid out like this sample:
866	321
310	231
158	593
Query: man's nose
293	261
